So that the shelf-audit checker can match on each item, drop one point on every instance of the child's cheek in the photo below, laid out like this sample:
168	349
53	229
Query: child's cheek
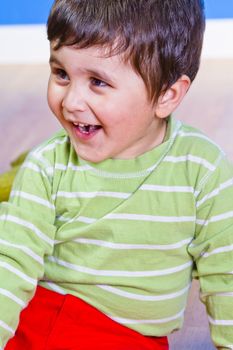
53	97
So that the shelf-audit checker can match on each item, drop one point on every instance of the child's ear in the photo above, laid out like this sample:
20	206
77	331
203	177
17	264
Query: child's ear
172	97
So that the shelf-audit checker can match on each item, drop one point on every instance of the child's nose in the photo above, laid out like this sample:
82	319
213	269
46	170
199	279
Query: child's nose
74	100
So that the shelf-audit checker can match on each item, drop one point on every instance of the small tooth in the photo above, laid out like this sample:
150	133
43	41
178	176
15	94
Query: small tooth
80	124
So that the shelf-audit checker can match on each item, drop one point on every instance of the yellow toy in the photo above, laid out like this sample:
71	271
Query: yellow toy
7	178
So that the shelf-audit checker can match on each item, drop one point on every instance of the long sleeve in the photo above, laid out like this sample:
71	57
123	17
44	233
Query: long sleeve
26	236
212	250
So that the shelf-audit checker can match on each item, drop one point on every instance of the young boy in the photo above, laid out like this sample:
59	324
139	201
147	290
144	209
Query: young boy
110	219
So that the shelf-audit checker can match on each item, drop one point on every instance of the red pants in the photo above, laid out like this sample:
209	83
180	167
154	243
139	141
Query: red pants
63	322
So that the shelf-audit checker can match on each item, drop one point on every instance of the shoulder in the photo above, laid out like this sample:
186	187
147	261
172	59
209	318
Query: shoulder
195	156
56	143
55	149
52	153
193	142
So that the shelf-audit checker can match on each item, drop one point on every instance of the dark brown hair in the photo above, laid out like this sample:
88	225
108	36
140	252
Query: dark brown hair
162	39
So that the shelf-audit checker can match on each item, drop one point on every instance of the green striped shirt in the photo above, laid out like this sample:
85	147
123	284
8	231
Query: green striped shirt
126	236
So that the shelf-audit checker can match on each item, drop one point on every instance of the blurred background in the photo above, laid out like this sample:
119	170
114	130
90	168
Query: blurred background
25	119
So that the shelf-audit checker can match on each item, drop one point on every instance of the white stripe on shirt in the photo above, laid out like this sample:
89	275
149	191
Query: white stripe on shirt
41	149
216	218
122	273
91	194
215	192
134	296
156	321
6	327
17	272
219	250
34	167
32	198
201	136
223	294
27	224
141	217
56	288
128	246
191	158
12	297
158	188
25	249
59	166
220	322
83	219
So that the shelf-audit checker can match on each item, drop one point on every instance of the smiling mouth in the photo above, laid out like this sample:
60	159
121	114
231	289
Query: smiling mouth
87	129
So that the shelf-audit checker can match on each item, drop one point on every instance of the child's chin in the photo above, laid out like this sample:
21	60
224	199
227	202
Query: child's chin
92	158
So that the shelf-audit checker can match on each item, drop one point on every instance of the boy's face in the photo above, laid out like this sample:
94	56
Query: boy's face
103	104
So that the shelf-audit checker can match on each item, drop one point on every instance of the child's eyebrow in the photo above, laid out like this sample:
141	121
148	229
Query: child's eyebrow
95	72
100	74
53	59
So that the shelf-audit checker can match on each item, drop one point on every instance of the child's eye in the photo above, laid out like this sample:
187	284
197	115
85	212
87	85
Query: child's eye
61	74
98	82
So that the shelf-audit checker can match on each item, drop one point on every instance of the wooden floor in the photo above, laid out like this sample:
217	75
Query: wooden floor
25	120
